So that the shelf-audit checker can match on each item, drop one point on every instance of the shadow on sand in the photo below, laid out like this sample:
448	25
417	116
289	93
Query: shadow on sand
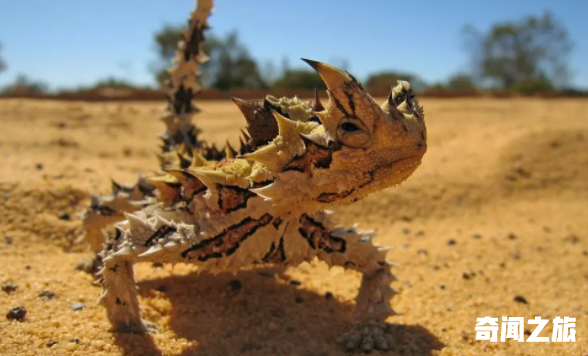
253	313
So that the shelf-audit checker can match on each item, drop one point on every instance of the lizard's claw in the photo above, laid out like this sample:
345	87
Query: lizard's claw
366	337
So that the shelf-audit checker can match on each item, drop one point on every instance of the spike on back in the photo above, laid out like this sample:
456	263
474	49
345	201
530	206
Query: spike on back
261	125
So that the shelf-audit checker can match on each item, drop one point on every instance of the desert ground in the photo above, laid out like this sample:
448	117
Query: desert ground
494	223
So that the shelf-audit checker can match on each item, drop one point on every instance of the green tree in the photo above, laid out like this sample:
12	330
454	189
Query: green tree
462	82
230	65
515	54
541	84
112	83
25	85
299	79
386	79
2	63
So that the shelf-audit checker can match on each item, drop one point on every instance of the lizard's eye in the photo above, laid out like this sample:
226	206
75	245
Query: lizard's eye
352	132
349	127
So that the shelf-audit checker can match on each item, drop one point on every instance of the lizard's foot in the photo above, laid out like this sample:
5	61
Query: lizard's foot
140	327
89	265
366	337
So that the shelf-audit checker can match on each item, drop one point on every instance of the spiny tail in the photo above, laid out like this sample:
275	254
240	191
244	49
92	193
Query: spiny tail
179	139
181	135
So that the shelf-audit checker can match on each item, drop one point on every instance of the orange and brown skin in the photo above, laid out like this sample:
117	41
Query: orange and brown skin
268	201
268	205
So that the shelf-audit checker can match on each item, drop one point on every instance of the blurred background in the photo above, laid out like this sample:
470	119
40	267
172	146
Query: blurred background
493	223
450	47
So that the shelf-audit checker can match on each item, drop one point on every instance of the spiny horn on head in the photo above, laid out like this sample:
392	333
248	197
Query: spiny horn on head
347	98
401	101
316	104
331	76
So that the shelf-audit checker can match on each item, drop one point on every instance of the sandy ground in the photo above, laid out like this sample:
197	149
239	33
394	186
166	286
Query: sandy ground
497	210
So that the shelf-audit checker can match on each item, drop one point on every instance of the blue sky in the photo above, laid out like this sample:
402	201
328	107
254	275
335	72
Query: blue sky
76	42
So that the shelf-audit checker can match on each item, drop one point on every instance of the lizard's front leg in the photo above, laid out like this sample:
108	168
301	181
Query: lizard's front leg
119	291
352	249
141	240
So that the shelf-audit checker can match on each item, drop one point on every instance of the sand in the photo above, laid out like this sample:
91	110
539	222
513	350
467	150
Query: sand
498	210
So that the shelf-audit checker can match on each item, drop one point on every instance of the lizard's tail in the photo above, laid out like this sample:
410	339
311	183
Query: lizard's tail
181	135
180	140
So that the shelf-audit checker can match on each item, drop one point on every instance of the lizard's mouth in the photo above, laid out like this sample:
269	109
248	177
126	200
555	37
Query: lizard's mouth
408	165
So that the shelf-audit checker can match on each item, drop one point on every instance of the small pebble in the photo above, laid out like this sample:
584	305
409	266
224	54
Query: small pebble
9	288
476	236
422	251
17	313
406	231
451	242
442	286
51	343
8	239
466	276
295	282
77	306
235	285
574	239
64	216
520	299
75	340
512	236
328	295
46	295
420	233
39	166
298	300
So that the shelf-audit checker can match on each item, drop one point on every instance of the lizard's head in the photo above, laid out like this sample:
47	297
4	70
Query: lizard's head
374	146
336	154
301	152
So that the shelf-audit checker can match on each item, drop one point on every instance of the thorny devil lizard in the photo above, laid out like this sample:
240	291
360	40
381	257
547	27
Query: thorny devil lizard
267	202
